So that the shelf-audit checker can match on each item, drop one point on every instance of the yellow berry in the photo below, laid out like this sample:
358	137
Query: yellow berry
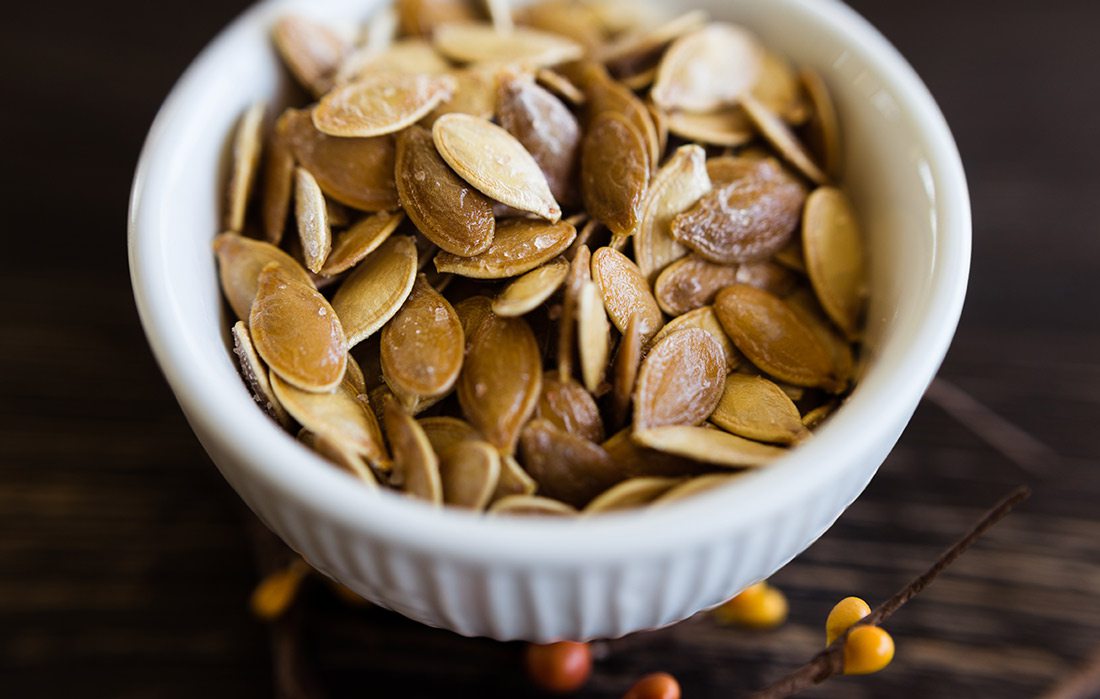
759	606
844	615
276	592
867	650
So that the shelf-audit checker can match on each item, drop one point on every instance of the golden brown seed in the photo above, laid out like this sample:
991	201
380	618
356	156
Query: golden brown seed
680	381
710	446
834	257
381	103
625	292
530	291
341	456
311	211
748	217
546	128
513	480
447	210
445	432
278	182
696	486
691	283
411	56
766	275
580	271
708	69
531	506
791	256
632	493
574	20
375	291
476	94
727	127
340	417
805	306
659	117
310	50
415	465
353	245
755	408
495	163
357	172
823	130
813	419
678	185
519	246
423	17
471	312
255	372
779	135
640	44
614	172
567	467
480	43
769	333
704	319
636	461
625	370
247	143
561	86
240	261
296	332
501	380
778	89
422	346
470	471
593	339
567	405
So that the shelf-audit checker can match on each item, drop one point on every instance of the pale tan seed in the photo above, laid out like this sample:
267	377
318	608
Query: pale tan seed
791	256
495	163
247	147
501	380
823	129
296	331
567	467
708	69
605	94
778	88
728	127
340	417
471	312
580	271
411	56
636	461
680	381
813	419
469	471
375	291
805	306
423	17
357	172
593	335
311	212
614	172
766	275
475	94
773	337
519	246
381	103
561	86
278	184
567	405
636	492
471	42
353	245
355	376
710	446
755	408
690	283
531	506
310	50
531	290
513	480
779	135
422	346
678	185
696	486
415	465
546	128
705	319
445	208
833	247
341	456
500	14
445	432
625	292
643	42
628	359
254	372
659	117
641	80
240	261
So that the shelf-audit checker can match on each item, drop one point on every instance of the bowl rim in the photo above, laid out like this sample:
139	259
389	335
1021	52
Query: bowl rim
282	465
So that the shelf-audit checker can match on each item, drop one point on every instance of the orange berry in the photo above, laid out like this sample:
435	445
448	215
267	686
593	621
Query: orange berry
275	593
659	685
559	667
759	606
867	650
843	616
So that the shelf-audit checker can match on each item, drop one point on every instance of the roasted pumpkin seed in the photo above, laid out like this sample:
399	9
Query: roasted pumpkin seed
339	417
341	456
628	359
411	56
561	86
806	307
247	146
708	69
531	290
254	372
422	346
614	172
814	418
375	291
691	283
710	446
469	471
566	467
472	42
546	128
635	492
755	408
424	17
778	89
834	257
593	339
475	94
678	185
415	465
766	275
531	506
381	103
823	129
519	246
278	181
353	245
779	135
727	127
680	381
704	319
310	50
567	405
311	212
696	486
625	292
240	261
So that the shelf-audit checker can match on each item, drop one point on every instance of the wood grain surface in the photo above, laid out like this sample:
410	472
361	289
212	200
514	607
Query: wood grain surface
125	560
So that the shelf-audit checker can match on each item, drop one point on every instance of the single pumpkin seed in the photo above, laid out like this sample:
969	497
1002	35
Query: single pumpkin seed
531	506
500	14
593	335
415	465
778	88
501	380
574	20
296	331
495	163
447	210
381	103
469	471
823	129
834	257
471	42
580	271
628	359
710	446
567	405
310	50
639	44
773	337
614	172
312	214
513	480
680	381
422	346
546	128
791	256
444	432
254	372
567	467
240	261
519	246
247	147
708	69
339	417
341	456
636	492
805	306
705	319
659	117
471	312
375	291
755	408
769	276
278	181
625	292
410	56
355	376
560	86
604	94
727	127
814	418
424	17
531	290
690	283
779	135
678	185
636	461
475	94
696	486
353	245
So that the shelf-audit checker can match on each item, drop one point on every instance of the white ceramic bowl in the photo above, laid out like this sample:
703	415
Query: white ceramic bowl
544	580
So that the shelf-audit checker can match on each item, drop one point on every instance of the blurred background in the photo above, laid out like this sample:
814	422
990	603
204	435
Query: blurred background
126	562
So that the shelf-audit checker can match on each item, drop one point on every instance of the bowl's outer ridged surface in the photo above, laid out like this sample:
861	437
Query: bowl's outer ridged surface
541	581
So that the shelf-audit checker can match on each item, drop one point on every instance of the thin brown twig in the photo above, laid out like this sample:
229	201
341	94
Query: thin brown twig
830	661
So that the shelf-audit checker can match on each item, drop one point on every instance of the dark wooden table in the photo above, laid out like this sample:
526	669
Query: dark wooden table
124	560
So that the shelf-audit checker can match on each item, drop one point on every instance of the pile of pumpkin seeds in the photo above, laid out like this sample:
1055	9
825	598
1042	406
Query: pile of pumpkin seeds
570	258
